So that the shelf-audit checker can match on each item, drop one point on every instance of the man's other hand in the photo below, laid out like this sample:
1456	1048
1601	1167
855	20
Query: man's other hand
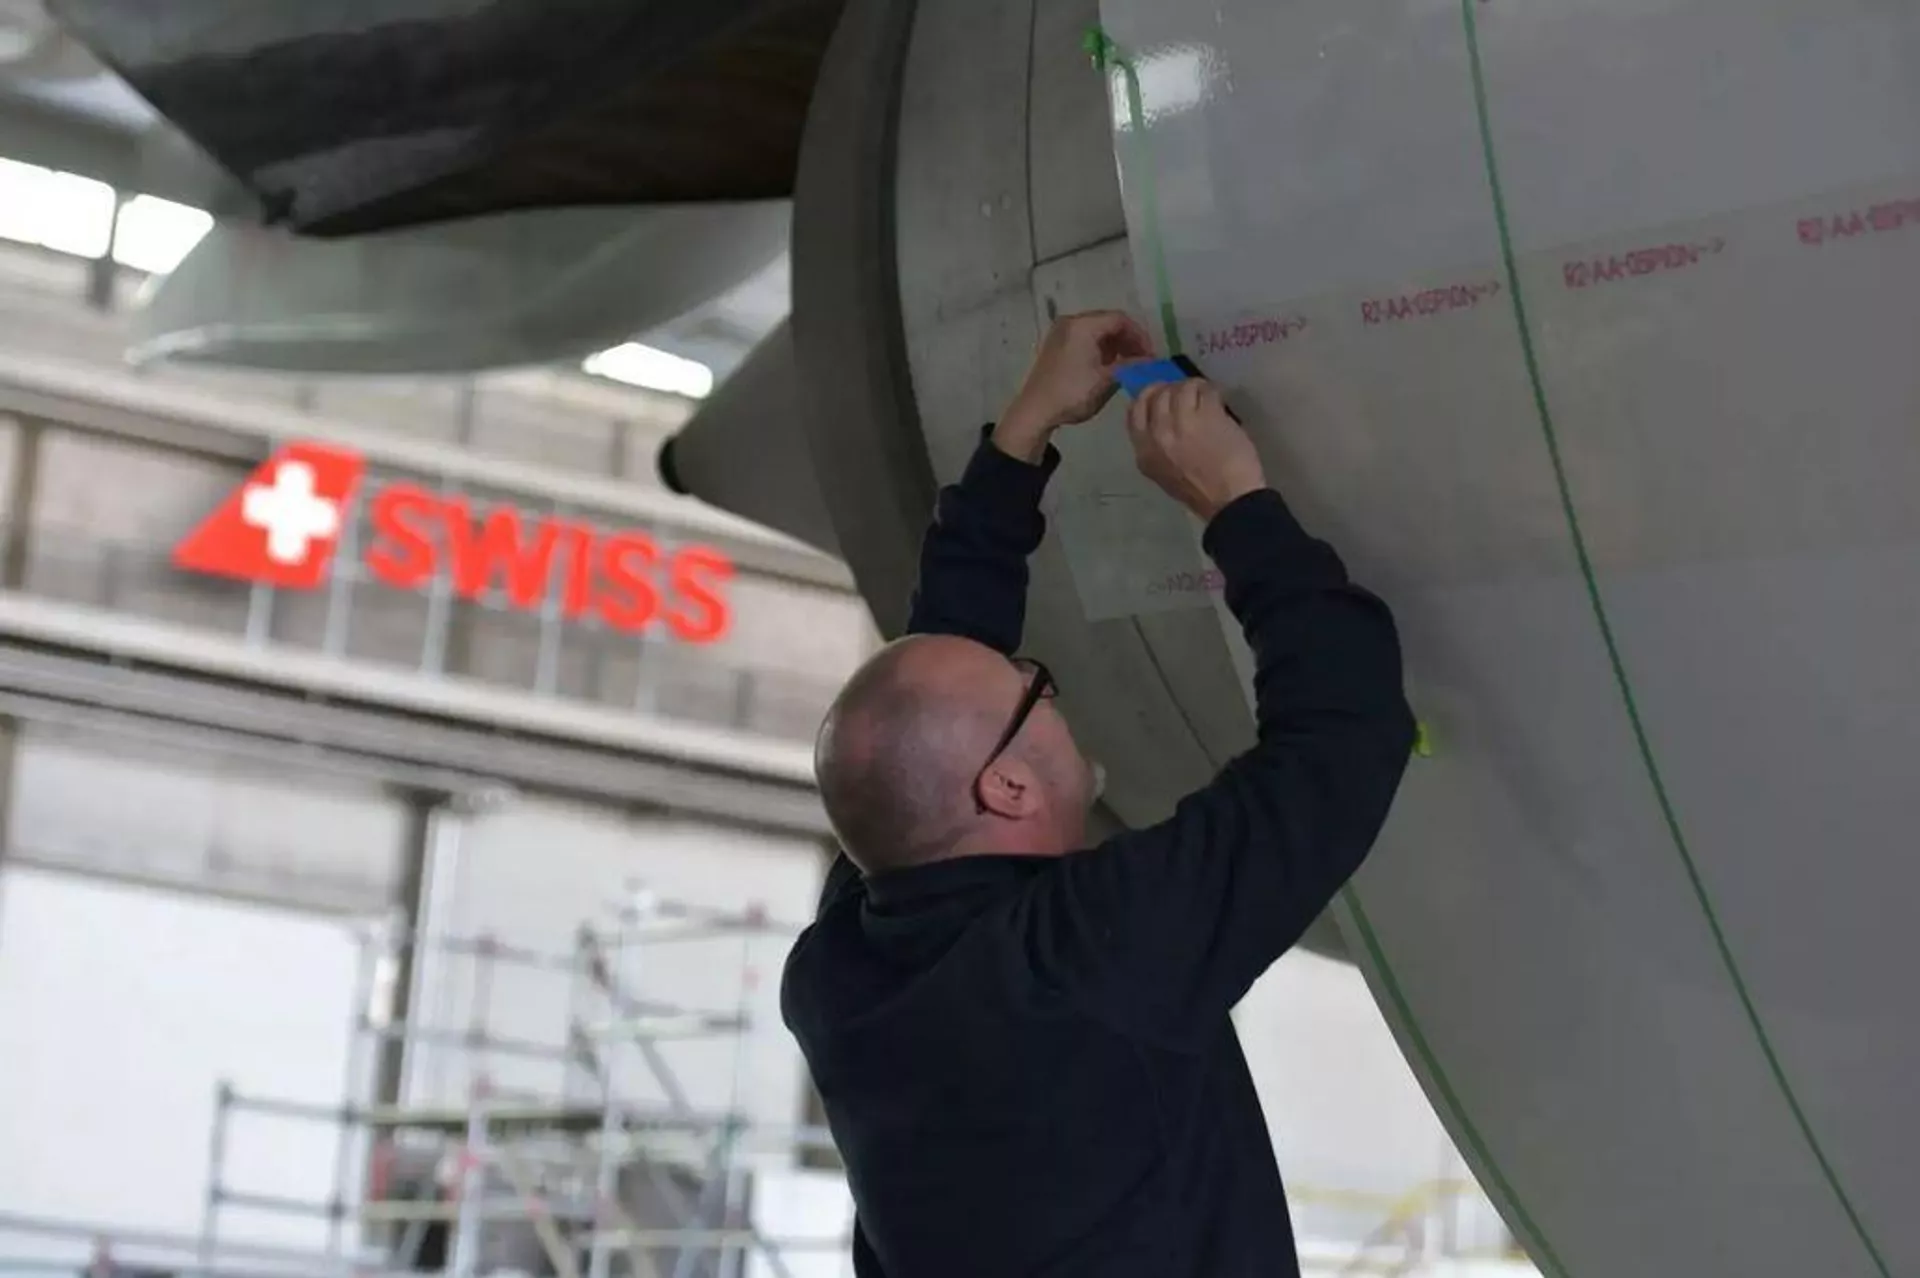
1186	442
1071	378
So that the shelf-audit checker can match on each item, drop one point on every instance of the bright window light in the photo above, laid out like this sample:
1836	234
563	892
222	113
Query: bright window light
61	211
155	233
1172	80
643	366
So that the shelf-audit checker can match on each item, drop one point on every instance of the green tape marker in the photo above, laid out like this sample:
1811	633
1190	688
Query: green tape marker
1107	56
1422	740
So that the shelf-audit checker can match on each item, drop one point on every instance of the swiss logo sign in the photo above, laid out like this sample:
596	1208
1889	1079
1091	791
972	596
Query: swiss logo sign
283	525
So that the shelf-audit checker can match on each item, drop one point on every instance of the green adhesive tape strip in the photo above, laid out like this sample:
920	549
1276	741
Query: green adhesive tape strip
1107	56
1642	741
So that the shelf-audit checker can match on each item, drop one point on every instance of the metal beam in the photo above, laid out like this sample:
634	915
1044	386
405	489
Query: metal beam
445	750
417	852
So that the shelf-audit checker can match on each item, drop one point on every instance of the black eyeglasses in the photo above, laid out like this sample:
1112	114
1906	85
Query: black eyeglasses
1040	687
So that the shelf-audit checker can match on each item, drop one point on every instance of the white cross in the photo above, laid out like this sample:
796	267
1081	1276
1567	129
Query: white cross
290	513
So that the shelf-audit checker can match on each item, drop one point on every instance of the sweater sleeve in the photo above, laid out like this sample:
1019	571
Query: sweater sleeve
973	563
1160	931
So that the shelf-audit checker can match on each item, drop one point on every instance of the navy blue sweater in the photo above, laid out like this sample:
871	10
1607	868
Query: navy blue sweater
1028	1063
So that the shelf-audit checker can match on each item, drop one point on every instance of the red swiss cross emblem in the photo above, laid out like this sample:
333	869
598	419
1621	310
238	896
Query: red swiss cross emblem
282	525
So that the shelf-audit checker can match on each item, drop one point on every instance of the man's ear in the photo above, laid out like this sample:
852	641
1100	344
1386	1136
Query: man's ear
1010	790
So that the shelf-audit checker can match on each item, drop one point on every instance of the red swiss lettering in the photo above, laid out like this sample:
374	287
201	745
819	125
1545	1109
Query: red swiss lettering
500	543
630	601
579	590
615	575
402	554
695	575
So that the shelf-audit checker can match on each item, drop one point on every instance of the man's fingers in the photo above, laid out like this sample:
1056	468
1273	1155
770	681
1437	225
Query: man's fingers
1091	327
1130	340
1161	412
1143	411
1212	403
1103	322
1101	395
1138	417
1115	334
1183	398
1193	394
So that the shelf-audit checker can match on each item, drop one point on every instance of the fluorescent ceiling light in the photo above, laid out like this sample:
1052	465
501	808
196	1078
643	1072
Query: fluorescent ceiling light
60	211
643	366
155	234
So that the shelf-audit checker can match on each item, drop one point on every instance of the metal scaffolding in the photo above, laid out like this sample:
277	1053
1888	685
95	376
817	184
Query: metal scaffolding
587	1180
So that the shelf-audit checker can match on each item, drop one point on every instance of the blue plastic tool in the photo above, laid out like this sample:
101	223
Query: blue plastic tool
1134	379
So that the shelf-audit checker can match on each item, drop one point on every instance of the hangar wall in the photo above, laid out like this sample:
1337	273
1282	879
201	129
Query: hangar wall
141	808
108	504
156	997
189	898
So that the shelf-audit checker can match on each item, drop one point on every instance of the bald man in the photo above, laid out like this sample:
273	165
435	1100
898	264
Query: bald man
1023	1042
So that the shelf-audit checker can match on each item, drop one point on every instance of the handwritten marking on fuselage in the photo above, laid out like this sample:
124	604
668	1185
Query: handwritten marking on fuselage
1250	333
1434	301
1590	271
1207	582
1877	220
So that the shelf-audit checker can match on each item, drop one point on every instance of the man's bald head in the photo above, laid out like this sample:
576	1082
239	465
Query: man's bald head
900	749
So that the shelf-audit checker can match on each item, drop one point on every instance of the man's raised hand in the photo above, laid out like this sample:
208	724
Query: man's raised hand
1186	442
1071	378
